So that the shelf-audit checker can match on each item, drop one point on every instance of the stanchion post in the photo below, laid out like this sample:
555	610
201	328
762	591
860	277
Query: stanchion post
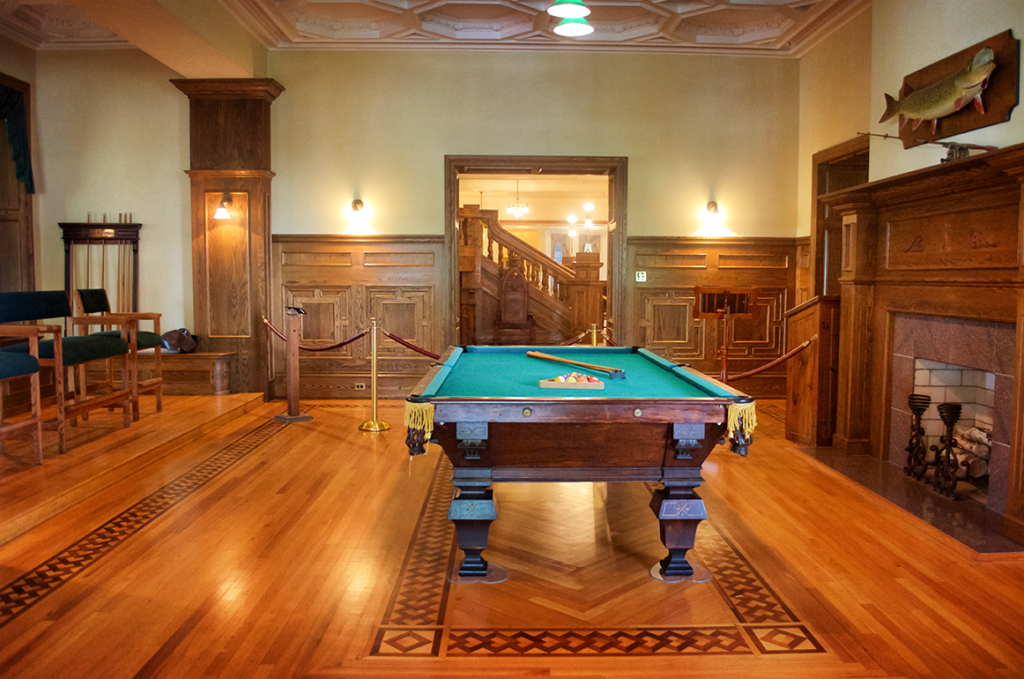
294	315
593	334
374	424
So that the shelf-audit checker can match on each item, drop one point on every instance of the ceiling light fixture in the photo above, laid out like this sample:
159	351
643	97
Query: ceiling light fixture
517	209
589	207
573	28
569	9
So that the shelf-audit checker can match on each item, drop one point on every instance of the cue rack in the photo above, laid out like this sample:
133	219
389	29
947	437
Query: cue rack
103	255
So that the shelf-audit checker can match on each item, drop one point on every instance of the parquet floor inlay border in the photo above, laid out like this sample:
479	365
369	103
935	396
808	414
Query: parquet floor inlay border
413	625
29	589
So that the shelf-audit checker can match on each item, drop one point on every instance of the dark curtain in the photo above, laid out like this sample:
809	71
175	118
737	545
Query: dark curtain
12	108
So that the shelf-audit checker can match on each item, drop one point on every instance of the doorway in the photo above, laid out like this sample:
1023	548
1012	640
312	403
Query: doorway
615	168
17	257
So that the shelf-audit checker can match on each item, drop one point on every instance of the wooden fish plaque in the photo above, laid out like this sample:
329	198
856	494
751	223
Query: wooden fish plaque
999	98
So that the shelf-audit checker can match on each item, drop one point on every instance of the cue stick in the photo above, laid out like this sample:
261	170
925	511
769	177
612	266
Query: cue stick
613	373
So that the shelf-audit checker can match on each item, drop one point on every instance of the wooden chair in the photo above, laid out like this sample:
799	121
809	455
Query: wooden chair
15	365
95	301
513	326
63	353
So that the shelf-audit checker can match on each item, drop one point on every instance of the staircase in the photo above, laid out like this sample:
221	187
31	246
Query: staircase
564	301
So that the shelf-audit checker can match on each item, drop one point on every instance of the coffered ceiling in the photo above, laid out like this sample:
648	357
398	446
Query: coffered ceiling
783	28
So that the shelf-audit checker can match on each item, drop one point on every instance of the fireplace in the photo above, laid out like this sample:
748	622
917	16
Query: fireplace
956	361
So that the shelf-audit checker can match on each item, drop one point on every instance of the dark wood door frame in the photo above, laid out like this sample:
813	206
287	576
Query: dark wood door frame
847	149
614	167
26	229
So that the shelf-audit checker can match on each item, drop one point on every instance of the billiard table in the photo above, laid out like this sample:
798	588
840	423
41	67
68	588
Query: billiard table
655	422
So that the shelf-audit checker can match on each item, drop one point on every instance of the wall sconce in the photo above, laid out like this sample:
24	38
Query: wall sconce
222	210
572	225
712	220
359	217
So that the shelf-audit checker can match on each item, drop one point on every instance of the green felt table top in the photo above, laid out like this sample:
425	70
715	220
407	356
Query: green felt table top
507	372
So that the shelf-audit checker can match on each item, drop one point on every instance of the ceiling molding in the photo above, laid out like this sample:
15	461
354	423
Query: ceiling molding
766	28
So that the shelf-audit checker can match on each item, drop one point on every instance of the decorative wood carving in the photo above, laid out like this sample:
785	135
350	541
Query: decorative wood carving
1000	97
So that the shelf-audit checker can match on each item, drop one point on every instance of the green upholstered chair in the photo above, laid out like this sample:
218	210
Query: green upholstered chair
63	353
18	365
95	301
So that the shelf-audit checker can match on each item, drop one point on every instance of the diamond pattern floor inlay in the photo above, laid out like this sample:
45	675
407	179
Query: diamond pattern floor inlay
425	616
30	588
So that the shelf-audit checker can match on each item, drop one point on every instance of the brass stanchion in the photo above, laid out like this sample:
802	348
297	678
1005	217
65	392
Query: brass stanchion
294	331
593	334
374	424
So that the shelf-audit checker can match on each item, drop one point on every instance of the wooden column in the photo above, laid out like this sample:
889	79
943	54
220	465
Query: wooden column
1013	524
230	162
857	293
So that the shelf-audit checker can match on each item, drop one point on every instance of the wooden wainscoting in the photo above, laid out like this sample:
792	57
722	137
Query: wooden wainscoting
345	282
663	304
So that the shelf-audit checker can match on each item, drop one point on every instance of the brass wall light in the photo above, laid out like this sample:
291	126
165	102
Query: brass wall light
222	210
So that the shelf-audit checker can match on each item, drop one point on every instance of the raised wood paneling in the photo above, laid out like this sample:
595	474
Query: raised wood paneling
682	260
345	282
974	239
663	304
811	387
227	267
755	261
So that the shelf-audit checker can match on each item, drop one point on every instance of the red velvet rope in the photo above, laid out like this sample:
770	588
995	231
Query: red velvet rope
409	345
280	334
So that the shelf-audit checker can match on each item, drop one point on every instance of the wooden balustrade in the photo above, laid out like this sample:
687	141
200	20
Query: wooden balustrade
482	236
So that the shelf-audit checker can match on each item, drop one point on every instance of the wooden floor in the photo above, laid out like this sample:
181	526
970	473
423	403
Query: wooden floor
214	541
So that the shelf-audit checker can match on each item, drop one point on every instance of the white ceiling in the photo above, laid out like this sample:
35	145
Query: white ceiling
551	198
781	28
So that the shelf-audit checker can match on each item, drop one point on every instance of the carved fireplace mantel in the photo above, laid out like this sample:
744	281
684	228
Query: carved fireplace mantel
941	242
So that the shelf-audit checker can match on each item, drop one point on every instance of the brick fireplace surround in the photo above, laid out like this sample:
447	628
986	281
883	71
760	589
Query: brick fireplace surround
932	267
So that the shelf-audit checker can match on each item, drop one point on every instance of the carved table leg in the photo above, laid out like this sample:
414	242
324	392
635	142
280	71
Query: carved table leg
472	511
679	512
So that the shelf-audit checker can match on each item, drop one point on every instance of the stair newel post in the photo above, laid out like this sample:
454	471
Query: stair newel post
374	424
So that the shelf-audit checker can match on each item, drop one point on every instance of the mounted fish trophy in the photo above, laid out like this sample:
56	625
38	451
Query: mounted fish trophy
947	96
985	75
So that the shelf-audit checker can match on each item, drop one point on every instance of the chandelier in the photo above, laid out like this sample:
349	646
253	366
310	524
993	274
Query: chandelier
517	209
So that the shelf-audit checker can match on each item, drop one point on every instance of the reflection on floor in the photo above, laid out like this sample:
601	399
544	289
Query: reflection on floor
969	521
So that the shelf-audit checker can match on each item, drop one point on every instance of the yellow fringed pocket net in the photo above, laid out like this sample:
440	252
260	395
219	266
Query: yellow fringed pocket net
420	416
742	415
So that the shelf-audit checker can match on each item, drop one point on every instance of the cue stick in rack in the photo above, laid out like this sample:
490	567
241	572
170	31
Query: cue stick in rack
613	373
